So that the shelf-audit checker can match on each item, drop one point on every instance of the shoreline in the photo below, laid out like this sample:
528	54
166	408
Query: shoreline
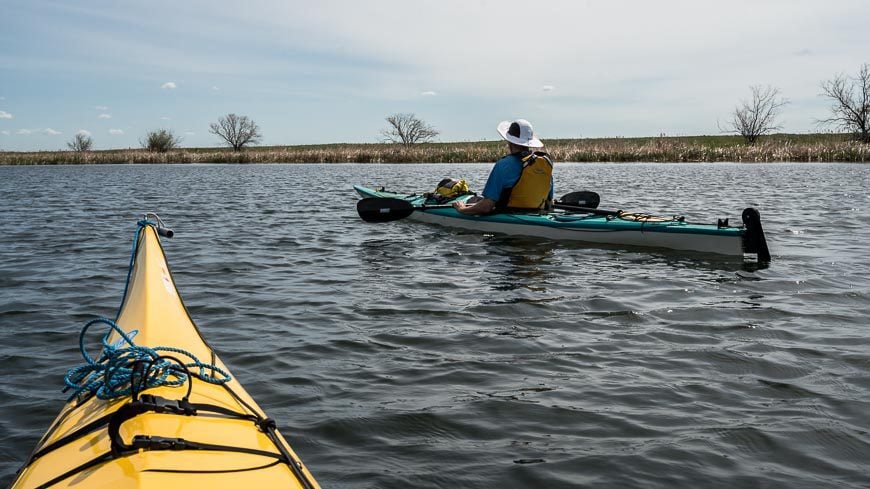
815	148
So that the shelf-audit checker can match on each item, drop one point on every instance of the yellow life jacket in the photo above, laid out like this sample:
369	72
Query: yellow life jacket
533	187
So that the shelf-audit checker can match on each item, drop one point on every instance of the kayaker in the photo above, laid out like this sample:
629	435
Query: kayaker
522	180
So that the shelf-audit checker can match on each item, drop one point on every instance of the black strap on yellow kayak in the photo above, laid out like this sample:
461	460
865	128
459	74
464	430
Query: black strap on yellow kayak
218	471
81	468
268	426
69	438
147	442
154	404
142	442
147	403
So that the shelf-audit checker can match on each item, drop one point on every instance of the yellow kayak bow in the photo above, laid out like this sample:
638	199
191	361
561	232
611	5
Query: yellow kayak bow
179	421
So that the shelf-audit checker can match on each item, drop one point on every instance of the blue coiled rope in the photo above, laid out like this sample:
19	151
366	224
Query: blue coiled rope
113	375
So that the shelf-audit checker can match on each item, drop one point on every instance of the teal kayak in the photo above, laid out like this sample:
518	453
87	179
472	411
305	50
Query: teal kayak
574	223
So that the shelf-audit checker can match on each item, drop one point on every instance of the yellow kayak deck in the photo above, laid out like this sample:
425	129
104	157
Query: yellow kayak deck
156	441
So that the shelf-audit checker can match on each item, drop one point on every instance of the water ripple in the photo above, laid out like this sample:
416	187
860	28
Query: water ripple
403	355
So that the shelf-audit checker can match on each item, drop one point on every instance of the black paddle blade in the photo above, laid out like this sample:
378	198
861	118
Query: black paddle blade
380	209
583	198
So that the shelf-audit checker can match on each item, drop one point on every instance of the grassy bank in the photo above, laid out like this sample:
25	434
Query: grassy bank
780	147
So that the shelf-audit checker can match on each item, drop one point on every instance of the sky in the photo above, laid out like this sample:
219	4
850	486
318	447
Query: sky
330	71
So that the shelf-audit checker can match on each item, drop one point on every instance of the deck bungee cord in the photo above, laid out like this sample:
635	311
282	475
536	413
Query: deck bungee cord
643	217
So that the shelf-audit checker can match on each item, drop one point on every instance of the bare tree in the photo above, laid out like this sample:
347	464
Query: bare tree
236	131
408	129
757	117
850	97
81	142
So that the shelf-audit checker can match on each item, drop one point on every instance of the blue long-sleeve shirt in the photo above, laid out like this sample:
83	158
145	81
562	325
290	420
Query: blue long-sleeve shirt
505	174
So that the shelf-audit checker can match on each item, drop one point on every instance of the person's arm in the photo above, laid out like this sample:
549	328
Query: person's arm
483	206
491	192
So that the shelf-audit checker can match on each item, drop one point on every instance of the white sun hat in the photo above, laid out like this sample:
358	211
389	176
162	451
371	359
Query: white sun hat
519	132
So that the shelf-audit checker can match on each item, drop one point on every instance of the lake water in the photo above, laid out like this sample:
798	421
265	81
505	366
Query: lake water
402	355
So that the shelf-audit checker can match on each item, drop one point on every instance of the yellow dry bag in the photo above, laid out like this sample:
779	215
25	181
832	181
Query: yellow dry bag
450	188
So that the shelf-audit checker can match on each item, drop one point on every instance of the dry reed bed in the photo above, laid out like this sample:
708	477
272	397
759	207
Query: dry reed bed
615	150
678	151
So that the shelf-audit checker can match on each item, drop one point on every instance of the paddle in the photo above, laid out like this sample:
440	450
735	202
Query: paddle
586	210
583	198
385	209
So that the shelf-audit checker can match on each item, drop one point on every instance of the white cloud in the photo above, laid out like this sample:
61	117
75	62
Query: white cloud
190	133
169	85
165	118
24	132
116	132
5	115
215	88
428	93
102	108
104	116
51	132
5	133
84	132
548	88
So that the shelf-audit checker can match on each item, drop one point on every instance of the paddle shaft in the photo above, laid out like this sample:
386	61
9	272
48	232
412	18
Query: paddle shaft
586	210
374	209
426	207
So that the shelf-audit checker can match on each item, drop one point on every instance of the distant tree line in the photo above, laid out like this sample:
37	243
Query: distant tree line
752	118
235	131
